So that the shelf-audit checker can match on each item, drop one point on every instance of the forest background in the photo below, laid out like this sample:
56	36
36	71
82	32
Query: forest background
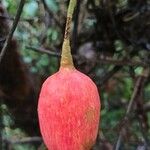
110	43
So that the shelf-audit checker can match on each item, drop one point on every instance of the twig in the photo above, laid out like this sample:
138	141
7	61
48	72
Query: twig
100	60
121	62
23	140
18	14
141	114
42	50
108	75
136	91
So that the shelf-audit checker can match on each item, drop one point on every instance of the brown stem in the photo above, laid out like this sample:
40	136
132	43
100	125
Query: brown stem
15	23
66	57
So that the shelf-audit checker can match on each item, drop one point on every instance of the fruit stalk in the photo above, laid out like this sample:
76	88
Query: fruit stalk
66	57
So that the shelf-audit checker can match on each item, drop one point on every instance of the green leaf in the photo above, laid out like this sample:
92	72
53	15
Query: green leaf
138	70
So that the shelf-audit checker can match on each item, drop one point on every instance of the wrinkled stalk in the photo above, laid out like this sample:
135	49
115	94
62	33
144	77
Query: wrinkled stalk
66	57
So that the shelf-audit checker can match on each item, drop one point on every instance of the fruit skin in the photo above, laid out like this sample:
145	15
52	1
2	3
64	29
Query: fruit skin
69	111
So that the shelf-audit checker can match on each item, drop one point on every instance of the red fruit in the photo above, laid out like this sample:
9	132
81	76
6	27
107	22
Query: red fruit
68	111
69	104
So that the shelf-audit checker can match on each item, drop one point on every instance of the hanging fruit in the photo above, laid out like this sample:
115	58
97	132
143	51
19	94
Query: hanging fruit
69	103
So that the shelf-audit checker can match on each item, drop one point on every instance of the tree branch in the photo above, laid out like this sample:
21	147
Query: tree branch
135	94
23	140
42	50
100	60
10	34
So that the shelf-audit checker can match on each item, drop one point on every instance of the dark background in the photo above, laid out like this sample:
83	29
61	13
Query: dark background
110	43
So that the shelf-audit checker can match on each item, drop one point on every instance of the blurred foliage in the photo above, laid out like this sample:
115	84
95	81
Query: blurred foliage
38	29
